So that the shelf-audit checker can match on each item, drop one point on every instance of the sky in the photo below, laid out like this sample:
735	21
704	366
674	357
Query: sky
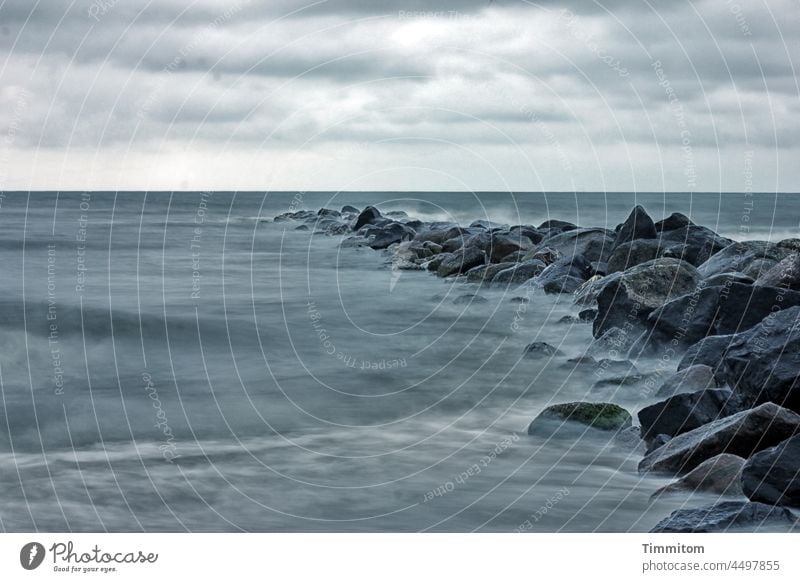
474	95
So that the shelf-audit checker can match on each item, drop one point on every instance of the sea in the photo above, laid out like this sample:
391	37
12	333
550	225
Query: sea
177	361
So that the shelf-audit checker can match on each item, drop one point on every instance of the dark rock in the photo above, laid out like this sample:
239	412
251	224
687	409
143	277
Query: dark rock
693	244
717	311
592	243
603	416
545	254
469	299
560	225
691	379
368	216
328	212
742	434
627	299
441	233
435	262
674	221
587	315
524	300
533	234
728	279
571	319
515	257
632	253
638	225
785	274
565	275
773	475
728	515
415	224
486	272
741	256
763	363
658	441
347	209
519	273
460	262
541	350
302	227
391	234
487	225
718	474
684	412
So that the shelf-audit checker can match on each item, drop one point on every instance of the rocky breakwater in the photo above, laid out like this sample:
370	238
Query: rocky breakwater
714	323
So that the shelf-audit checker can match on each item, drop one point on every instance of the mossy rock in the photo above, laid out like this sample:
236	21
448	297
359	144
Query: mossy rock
600	415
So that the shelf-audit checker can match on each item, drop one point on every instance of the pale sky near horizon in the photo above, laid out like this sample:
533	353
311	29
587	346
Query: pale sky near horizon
412	95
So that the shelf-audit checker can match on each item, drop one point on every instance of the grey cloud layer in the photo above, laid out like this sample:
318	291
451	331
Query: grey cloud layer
285	75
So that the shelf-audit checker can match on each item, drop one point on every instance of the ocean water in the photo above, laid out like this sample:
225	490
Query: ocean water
172	362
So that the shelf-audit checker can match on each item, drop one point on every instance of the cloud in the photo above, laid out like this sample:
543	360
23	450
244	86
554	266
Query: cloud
607	92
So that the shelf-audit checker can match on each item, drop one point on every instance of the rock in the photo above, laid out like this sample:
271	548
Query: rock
691	379
531	233
674	221
718	474
571	319
559	225
742	434
773	475
347	209
684	412
740	257
515	257
519	273
592	243
486	272
763	363
540	350
725	516
329	212
658	441
603	416
617	382
501	245
390	234
545	254
716	311
707	352
469	300
565	275
627	299
784	274
728	279
693	244
638	225
523	300
461	261
632	253
435	262
487	225
441	233
587	315
301	227
368	216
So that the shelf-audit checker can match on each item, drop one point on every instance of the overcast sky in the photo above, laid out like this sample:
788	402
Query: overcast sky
409	95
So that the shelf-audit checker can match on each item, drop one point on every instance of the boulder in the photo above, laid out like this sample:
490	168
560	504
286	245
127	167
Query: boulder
728	279
763	363
638	225
603	416
632	253
390	234
773	475
515	257
690	379
541	350
347	209
519	273
658	441
674	221
684	412
487	225
718	474
743	434
461	261
435	262
728	515
595	244
441	233
486	272
784	274
560	225
628	298
565	275
707	352
368	216
545	254
531	233
716	311
740	257
693	244
502	245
